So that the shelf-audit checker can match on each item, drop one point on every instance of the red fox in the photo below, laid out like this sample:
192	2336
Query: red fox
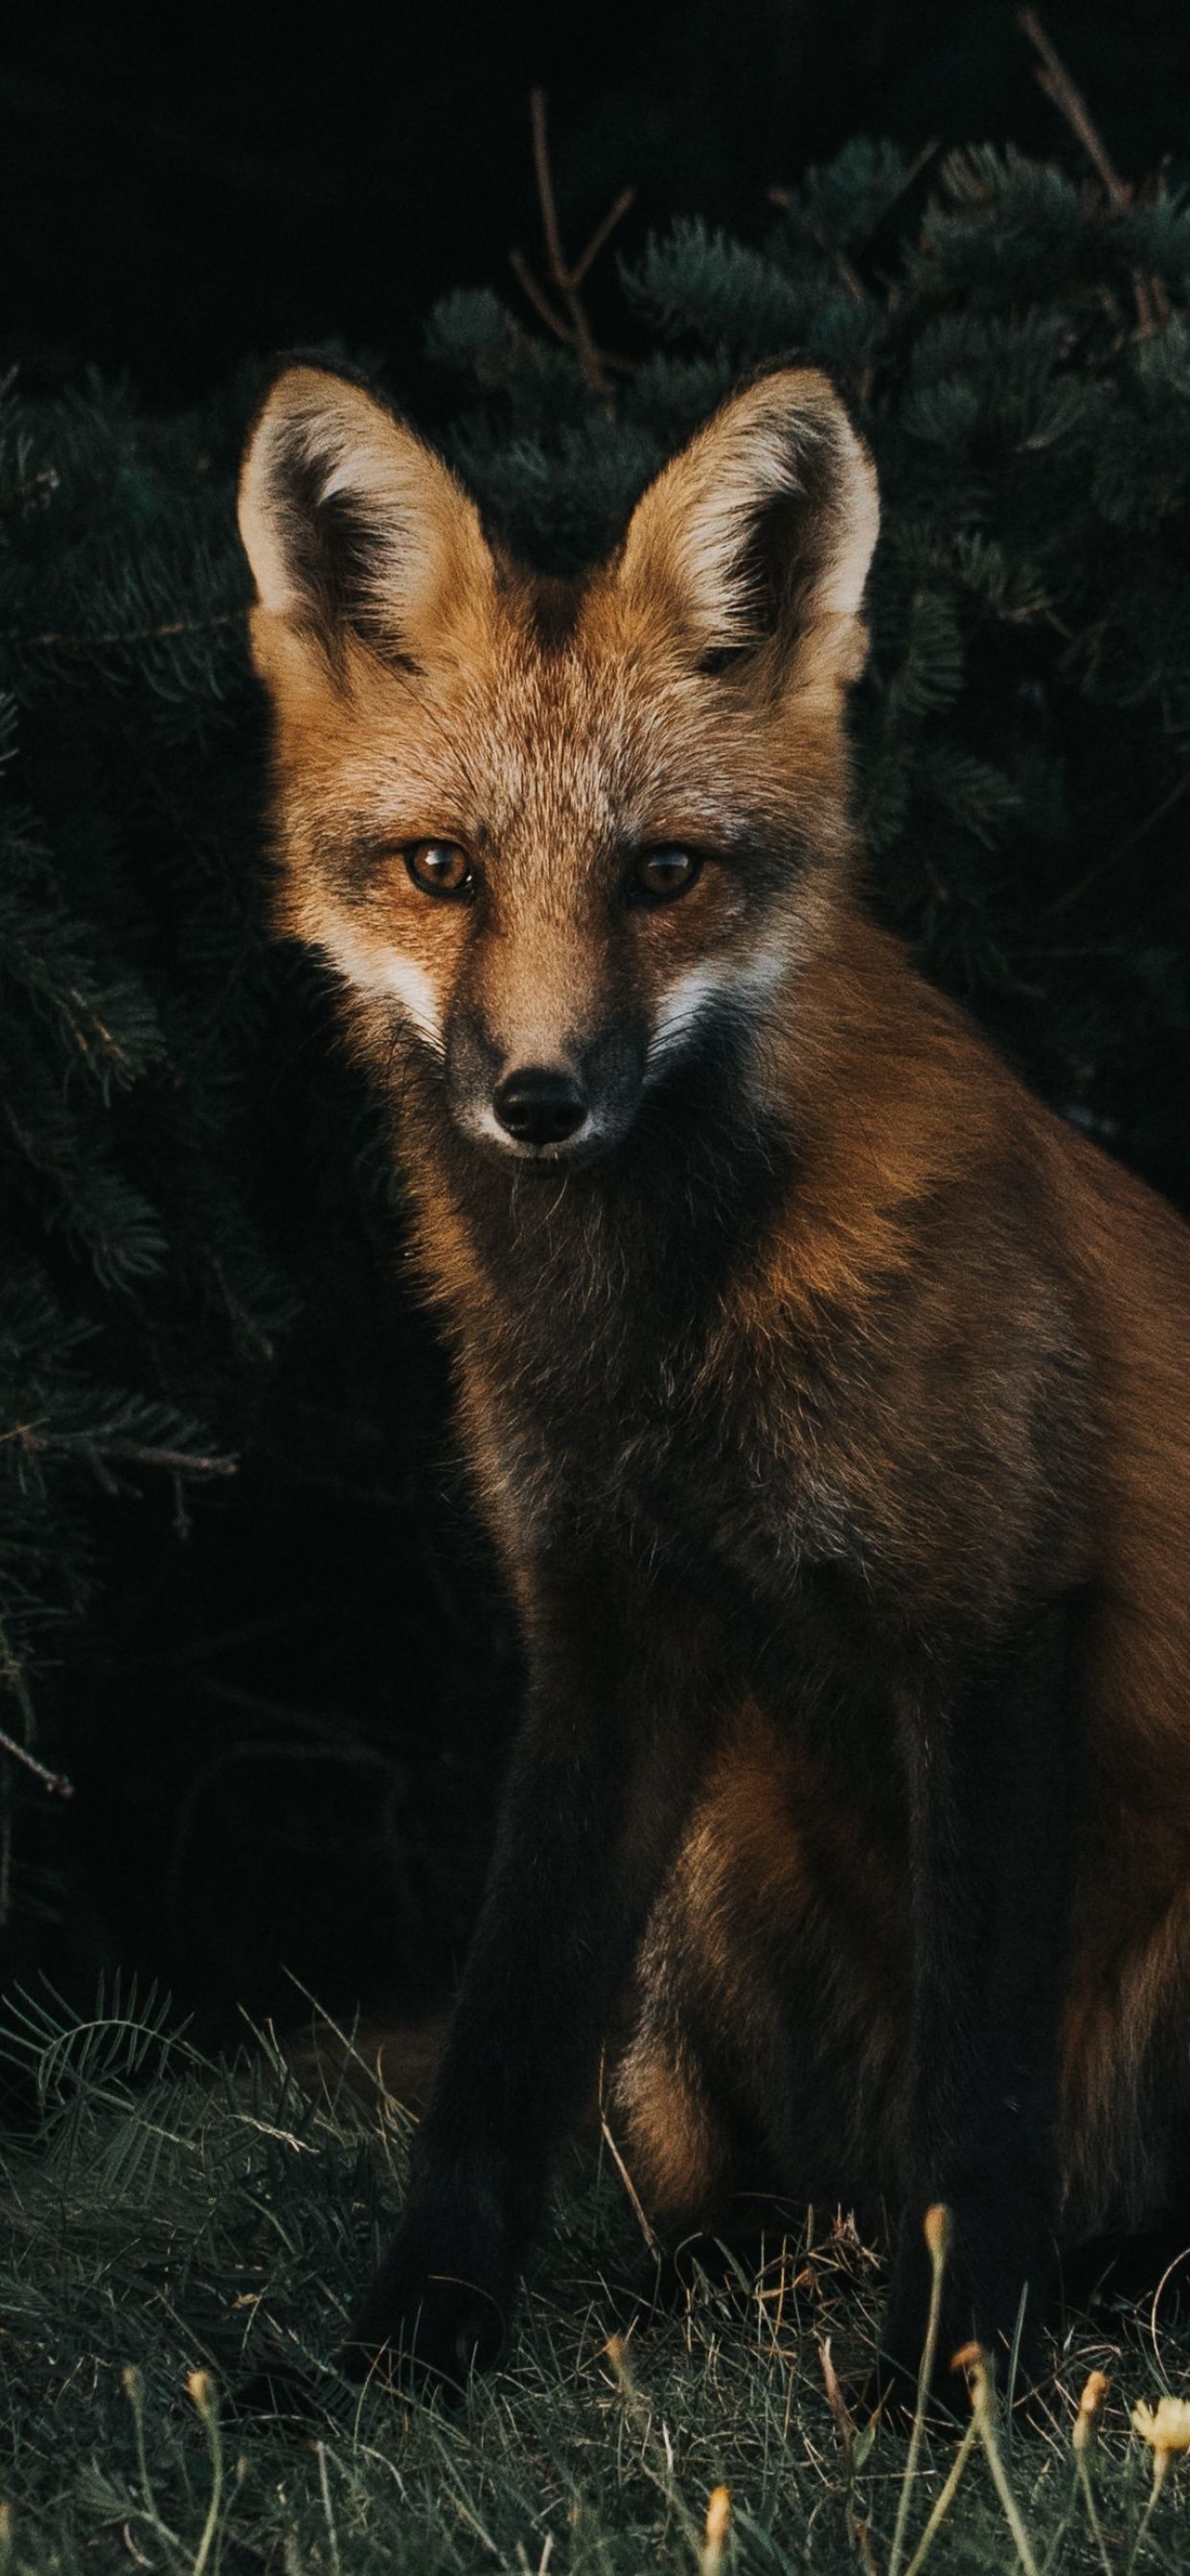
828	1397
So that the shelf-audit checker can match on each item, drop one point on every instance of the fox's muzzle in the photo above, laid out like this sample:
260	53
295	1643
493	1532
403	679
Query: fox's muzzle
556	1102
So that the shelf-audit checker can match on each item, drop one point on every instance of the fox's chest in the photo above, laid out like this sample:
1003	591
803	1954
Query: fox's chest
649	1451
745	1518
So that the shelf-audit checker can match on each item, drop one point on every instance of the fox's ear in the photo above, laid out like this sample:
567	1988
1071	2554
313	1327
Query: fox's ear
762	529
349	522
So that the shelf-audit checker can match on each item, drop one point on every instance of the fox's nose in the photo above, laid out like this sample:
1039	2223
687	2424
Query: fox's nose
540	1104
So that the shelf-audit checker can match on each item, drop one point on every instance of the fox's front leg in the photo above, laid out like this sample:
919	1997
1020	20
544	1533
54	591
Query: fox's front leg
602	1775
992	1755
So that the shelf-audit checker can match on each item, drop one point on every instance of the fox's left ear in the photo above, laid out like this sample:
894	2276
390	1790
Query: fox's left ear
351	524
761	530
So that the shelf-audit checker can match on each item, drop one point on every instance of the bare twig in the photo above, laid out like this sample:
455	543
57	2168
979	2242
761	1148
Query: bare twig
537	296
1058	86
545	187
1054	79
1074	894
561	330
131	634
602	233
6	1849
102	1452
96	1448
55	1781
566	276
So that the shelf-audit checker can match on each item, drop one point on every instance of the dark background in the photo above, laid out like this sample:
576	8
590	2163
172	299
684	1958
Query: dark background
181	187
270	1778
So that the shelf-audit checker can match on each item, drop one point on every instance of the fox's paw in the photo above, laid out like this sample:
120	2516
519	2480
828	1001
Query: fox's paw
894	2392
426	2317
995	2304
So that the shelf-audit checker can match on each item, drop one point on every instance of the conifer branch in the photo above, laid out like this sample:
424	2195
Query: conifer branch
566	276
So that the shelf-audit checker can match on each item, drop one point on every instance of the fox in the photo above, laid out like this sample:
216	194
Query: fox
826	1394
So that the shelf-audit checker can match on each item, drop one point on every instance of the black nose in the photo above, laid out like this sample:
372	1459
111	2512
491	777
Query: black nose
539	1104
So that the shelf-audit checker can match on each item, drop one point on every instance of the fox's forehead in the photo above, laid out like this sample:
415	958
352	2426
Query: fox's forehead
524	746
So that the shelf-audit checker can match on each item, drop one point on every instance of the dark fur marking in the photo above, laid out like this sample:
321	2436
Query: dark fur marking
788	545
555	605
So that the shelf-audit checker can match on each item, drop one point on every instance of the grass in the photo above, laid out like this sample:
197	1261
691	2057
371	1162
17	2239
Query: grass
177	2241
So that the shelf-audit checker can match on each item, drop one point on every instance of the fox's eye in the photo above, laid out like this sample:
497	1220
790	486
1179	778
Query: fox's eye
661	874
439	867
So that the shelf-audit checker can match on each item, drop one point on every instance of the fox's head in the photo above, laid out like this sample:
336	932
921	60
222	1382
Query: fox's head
560	838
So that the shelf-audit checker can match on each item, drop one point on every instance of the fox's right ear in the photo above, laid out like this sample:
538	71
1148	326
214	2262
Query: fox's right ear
758	535
352	526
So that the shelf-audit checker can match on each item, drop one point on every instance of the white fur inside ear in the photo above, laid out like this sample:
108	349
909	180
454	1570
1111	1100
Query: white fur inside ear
320	440
841	589
693	528
713	535
261	526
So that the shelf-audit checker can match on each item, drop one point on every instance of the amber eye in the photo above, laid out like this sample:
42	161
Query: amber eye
661	874
439	867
